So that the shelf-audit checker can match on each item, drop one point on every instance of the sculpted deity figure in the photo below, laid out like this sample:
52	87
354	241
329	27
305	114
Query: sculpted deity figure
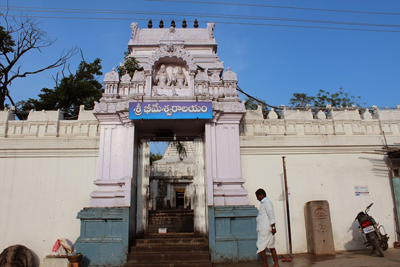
180	78
162	80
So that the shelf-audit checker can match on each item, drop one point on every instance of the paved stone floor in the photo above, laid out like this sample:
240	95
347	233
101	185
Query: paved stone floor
361	258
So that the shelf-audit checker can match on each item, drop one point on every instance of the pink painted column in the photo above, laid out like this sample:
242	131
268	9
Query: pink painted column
115	170
223	165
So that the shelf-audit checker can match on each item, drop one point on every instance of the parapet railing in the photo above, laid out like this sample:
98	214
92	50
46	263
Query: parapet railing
322	121
48	124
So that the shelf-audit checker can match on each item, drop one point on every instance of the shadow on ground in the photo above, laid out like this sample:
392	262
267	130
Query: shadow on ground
346	258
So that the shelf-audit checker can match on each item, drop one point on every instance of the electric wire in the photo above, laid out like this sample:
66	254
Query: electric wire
255	99
223	22
155	144
273	6
182	14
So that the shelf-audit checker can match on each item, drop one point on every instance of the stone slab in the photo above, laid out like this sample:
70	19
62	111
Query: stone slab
55	262
319	228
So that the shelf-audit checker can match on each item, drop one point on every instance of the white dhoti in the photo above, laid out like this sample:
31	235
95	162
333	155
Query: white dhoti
265	219
265	239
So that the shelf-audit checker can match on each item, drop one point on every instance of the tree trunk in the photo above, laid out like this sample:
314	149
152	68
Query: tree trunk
2	98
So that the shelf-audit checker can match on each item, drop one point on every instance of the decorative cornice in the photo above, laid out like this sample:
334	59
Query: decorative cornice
171	51
73	152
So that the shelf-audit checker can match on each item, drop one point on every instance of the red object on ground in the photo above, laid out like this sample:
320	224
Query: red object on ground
287	259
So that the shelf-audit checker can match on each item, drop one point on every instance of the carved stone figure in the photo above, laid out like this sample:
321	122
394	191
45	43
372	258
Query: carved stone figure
162	80
135	28
210	28
180	78
170	48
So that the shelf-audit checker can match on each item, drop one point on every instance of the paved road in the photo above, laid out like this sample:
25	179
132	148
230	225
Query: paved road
361	258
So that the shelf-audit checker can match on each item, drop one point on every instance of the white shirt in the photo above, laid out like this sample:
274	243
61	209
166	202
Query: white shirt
266	215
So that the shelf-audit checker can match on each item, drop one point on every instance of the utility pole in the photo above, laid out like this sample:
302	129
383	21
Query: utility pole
287	206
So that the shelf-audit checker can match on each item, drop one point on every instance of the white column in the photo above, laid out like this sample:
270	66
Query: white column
115	171
143	186
224	174
199	183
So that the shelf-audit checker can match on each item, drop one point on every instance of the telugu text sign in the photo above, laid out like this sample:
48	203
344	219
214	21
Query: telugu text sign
170	110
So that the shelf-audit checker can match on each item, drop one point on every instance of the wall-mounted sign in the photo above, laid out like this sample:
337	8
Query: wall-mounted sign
361	190
170	110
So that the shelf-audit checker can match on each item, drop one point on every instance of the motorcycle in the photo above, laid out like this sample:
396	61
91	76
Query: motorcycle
372	232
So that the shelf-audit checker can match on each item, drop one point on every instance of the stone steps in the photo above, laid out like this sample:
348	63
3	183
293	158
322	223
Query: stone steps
173	249
176	221
167	248
172	239
169	256
177	264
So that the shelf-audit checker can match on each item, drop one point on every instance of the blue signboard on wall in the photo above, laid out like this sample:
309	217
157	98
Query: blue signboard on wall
170	110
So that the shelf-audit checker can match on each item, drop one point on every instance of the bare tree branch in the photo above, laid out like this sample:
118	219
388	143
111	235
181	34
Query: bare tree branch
69	70
23	35
83	58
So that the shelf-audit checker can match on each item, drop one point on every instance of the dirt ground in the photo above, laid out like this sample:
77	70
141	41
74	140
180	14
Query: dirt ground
361	258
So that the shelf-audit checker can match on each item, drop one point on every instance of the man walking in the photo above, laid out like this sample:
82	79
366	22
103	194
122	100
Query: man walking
266	228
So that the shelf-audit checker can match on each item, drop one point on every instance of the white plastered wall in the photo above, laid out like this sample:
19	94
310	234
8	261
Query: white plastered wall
322	176
47	169
40	198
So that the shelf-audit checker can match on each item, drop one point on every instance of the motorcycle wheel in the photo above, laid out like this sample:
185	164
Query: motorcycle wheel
377	246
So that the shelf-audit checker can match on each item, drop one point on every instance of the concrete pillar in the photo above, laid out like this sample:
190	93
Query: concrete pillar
104	238
223	165
319	228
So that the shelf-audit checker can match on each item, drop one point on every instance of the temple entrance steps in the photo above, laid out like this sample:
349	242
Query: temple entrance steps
174	220
171	249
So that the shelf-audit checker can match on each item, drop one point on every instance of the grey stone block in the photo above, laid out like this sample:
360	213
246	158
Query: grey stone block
319	228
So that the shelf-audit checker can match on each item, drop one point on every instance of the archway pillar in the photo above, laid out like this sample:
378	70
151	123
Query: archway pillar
228	203
223	165
115	168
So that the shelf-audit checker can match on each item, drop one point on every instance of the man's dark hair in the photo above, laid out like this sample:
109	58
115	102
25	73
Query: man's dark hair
261	192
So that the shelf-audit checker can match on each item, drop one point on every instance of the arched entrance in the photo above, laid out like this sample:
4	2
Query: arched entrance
171	194
180	93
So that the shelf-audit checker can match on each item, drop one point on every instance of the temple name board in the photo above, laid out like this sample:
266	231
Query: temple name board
170	110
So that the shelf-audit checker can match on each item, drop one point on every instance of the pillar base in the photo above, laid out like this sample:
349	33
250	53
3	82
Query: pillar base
232	233
104	239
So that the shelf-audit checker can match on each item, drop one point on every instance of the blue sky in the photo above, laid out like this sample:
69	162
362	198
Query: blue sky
272	62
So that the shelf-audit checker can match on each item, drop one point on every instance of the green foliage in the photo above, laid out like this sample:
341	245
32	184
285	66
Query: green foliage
81	88
301	100
323	98
251	104
6	42
130	65
337	99
155	157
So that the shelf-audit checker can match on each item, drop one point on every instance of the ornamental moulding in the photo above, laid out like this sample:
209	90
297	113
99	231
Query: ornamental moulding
169	52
